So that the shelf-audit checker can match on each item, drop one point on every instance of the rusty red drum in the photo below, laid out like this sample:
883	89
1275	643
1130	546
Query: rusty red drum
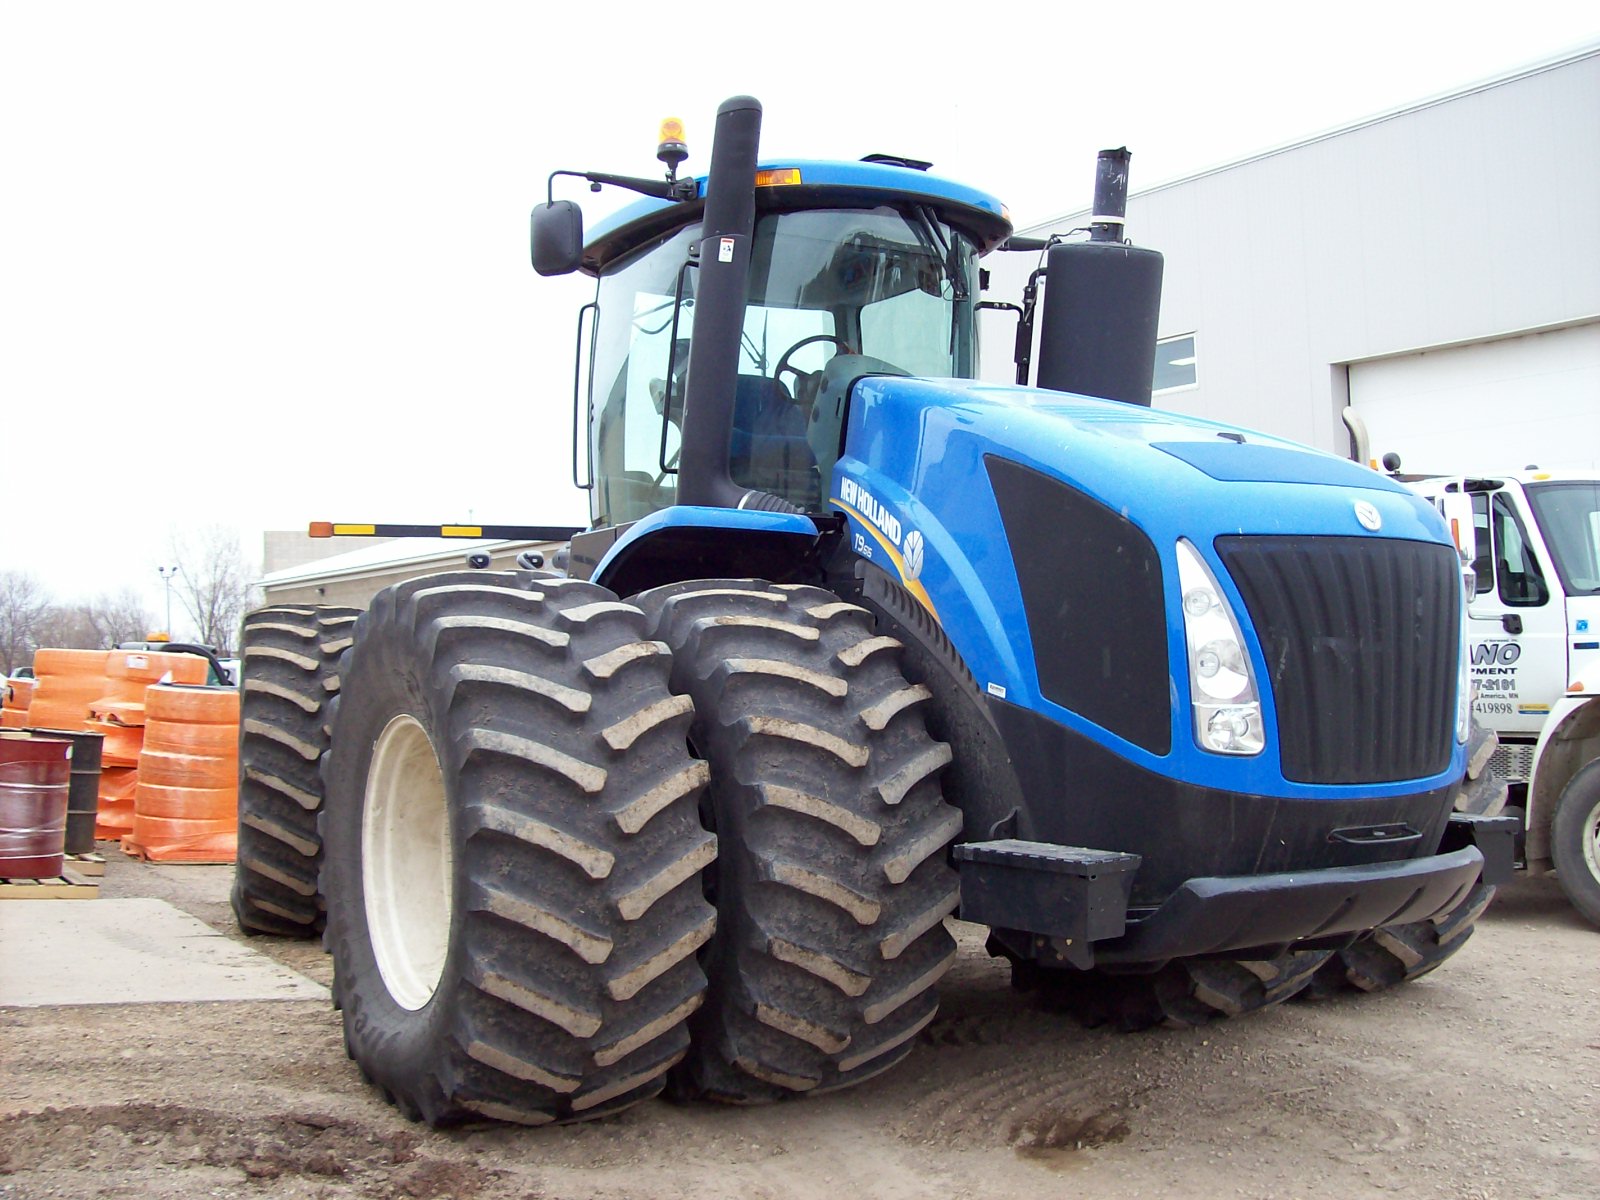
35	775
83	794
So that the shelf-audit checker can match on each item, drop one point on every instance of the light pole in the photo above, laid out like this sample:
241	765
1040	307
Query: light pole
166	574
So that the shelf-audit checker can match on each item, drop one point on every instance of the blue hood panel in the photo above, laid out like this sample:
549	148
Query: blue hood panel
1255	462
913	484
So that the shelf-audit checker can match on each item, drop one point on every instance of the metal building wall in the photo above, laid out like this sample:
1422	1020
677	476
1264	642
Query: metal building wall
1470	217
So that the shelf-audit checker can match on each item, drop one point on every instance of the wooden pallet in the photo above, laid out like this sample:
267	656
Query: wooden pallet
90	866
69	885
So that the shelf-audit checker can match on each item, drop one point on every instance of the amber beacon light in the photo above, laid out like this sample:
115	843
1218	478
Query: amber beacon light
671	147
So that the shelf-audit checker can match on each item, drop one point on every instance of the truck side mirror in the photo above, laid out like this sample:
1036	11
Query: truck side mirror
557	237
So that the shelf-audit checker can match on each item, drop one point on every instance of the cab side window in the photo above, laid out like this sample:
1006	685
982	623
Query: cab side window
1522	583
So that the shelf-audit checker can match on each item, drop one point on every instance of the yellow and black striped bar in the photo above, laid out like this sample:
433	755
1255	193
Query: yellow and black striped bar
499	533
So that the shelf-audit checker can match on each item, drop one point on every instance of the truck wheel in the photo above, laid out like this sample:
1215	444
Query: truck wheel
1181	994
290	661
1575	841
832	885
513	851
1397	954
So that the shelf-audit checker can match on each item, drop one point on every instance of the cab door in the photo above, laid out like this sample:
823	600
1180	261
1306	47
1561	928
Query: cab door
1516	624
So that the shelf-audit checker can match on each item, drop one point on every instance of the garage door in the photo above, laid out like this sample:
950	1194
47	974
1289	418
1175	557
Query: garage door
1498	405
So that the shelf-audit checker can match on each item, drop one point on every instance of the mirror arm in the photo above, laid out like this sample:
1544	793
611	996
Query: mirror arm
661	189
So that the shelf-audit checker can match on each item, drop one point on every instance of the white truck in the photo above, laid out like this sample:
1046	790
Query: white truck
1533	541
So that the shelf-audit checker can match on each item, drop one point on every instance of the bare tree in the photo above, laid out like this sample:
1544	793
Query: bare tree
97	624
119	617
69	627
24	604
214	583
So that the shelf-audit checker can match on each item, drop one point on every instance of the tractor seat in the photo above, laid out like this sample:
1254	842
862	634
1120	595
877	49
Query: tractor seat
769	450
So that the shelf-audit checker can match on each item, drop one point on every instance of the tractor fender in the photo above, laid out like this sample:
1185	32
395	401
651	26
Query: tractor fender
695	542
1569	738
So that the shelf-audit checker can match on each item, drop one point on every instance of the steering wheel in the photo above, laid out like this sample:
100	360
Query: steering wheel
799	375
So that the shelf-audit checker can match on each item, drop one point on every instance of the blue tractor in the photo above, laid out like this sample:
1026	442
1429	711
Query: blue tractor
855	644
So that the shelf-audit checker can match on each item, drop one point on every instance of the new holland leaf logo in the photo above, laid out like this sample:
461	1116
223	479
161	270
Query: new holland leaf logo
912	552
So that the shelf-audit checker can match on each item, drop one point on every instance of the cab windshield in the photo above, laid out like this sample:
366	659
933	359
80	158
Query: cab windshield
1569	515
894	288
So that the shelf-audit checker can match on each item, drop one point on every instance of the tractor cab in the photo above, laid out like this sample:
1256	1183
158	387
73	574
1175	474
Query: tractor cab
854	269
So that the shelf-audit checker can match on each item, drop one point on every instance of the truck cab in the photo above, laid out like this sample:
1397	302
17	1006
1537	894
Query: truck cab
1534	551
1533	545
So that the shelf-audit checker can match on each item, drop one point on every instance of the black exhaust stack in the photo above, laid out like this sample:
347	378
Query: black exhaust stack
1102	302
1110	195
722	288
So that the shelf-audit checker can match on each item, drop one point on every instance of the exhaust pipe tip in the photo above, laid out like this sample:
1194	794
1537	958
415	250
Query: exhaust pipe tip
1108	219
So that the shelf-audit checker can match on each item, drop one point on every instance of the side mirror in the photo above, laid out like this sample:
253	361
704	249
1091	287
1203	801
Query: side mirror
557	237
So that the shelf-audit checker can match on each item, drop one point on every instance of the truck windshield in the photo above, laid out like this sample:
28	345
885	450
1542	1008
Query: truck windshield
1569	515
891	284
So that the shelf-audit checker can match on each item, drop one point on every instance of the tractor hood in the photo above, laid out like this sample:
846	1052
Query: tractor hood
1169	474
970	483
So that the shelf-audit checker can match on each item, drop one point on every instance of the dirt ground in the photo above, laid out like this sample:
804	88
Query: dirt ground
1477	1083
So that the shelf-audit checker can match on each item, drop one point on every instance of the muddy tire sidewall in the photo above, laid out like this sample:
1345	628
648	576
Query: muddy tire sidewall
400	1044
1573	841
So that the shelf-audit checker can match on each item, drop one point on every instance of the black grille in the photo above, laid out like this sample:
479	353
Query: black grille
1360	636
1091	590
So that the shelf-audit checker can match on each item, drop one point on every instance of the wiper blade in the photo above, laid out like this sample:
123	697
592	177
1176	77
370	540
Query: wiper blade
932	239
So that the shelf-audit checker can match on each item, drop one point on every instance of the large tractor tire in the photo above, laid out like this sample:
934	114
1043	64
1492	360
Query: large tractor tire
1183	993
831	883
513	851
1575	841
290	672
1397	954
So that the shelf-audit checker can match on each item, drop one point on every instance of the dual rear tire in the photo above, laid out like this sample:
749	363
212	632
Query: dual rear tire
513	852
831	885
527	782
290	657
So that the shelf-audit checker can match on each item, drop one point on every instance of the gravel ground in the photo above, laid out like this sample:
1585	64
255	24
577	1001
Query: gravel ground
1476	1083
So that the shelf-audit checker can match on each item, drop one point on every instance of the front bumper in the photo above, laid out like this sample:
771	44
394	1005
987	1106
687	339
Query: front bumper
1275	912
1069	905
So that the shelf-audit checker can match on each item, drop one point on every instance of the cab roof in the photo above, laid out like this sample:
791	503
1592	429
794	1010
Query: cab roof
1429	482
821	184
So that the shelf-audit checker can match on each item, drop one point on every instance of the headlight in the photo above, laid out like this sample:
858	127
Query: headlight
1222	685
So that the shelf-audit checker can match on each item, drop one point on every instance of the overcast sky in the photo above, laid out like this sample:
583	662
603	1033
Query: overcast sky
267	264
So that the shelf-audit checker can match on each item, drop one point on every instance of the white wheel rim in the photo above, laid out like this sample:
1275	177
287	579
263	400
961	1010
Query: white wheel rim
406	862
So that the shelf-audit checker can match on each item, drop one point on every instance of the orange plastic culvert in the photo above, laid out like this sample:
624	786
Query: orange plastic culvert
186	802
68	682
